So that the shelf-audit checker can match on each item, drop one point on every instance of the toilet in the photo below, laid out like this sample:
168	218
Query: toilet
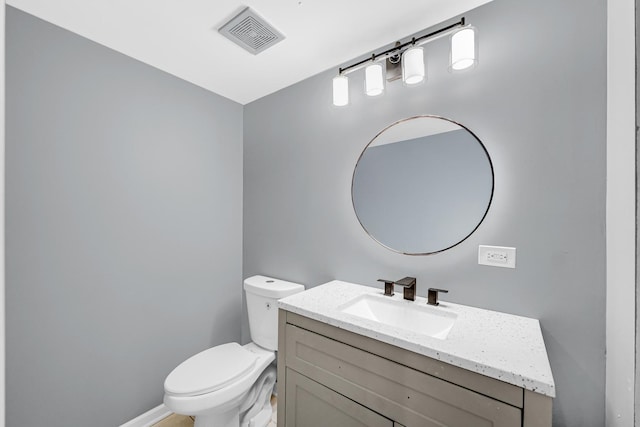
230	385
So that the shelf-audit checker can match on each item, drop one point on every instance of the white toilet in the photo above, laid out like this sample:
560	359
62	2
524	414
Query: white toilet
230	385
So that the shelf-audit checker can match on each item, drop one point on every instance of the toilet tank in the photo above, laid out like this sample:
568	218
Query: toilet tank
262	293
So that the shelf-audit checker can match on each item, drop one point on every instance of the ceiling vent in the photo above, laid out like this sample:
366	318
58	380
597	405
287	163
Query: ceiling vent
249	31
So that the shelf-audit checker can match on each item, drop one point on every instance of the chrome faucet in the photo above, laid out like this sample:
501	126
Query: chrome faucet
409	284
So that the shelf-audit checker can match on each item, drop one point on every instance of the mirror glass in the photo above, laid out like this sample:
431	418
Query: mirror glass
422	185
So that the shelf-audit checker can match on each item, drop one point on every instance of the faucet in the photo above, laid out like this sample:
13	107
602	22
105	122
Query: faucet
432	296
388	287
409	283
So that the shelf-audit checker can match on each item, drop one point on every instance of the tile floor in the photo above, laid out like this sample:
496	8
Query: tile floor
175	420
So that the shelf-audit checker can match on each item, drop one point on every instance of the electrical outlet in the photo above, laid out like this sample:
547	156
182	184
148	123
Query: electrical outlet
497	256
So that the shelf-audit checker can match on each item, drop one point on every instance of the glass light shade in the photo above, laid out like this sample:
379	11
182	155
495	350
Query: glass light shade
463	49
340	91
413	66
374	80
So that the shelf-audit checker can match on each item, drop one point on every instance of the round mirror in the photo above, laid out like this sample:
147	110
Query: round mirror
422	185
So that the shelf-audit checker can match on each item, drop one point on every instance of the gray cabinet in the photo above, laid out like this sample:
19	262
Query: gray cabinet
311	404
325	370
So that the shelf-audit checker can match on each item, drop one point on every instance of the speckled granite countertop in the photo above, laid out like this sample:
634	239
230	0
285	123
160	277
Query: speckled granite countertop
499	345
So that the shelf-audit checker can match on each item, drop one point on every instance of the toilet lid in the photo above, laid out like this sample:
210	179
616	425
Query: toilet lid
210	370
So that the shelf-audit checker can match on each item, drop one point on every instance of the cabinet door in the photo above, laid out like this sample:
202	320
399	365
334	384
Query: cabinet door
405	395
310	404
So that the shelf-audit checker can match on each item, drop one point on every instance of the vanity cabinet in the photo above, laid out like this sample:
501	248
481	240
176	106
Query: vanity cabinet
332	377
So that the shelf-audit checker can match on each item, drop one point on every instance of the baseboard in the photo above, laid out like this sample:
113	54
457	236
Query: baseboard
149	418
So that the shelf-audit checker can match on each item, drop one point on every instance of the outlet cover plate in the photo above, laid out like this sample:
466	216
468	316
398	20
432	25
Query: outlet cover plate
497	256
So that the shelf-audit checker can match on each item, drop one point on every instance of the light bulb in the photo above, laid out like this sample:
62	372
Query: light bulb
340	91
374	80
463	49
413	66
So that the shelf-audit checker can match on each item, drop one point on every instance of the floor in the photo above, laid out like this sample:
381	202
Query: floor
175	420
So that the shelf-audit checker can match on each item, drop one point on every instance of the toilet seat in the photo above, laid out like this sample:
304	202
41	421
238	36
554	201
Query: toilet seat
224	398
202	373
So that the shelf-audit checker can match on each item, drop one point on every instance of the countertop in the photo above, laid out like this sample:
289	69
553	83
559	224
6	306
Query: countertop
502	346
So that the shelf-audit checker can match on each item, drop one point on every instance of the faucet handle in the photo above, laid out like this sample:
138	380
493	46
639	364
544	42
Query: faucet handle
432	295
388	287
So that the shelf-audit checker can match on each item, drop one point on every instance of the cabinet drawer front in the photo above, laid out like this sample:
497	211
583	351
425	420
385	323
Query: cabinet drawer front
313	405
400	393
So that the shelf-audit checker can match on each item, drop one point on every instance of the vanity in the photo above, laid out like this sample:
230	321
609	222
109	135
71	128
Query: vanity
350	356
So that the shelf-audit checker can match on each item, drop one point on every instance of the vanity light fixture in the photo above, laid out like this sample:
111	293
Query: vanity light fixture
340	91
463	49
413	66
373	79
411	54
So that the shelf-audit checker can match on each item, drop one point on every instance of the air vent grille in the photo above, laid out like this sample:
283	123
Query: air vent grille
251	32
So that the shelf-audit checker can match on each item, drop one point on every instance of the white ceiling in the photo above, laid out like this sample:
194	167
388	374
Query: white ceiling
181	37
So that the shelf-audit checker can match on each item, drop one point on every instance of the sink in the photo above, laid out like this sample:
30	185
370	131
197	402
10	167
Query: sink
413	316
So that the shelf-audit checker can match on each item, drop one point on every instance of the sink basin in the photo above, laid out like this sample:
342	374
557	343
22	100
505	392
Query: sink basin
413	316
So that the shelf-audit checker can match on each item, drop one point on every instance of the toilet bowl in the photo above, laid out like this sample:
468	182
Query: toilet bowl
230	385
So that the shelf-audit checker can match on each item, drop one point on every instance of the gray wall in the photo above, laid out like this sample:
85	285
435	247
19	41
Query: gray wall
124	207
537	101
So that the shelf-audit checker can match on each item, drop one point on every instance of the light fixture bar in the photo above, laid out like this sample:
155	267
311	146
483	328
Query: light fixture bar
396	49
